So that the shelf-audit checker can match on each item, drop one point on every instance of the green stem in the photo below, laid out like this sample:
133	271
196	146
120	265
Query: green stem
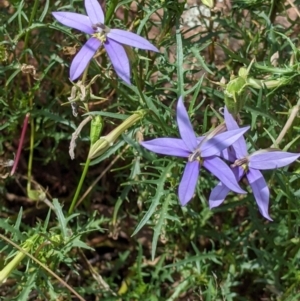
137	80
272	11
33	13
12	265
83	79
289	219
21	254
180	78
26	40
84	172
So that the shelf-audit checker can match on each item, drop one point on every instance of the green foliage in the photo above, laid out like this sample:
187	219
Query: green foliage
126	237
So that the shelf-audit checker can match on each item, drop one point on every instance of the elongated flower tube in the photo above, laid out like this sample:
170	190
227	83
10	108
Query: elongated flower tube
250	166
112	40
103	143
198	155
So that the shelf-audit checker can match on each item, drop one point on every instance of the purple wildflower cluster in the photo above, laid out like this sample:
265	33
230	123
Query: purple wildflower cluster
227	143
206	151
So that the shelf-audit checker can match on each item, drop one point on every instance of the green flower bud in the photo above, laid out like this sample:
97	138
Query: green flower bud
102	144
96	128
234	94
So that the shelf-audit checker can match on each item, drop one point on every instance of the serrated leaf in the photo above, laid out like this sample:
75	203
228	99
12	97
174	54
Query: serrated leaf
191	259
19	219
11	229
27	288
156	198
159	225
80	244
61	218
46	222
200	59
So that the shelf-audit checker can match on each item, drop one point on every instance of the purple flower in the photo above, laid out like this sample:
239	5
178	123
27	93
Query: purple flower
203	154
112	39
250	165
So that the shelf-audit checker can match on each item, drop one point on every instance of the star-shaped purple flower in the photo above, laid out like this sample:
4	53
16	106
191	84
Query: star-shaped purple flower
198	154
112	39
250	165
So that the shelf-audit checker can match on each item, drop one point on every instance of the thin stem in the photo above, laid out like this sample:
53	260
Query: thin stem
288	124
30	160
289	217
272	12
95	273
101	175
180	71
85	73
26	41
84	172
137	80
33	13
25	123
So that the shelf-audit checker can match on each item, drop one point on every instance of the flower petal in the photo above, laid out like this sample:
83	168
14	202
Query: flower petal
83	57
188	182
119	59
167	146
231	124
221	170
218	195
260	190
240	146
216	144
185	127
228	154
130	39
271	159
94	11
199	139
74	20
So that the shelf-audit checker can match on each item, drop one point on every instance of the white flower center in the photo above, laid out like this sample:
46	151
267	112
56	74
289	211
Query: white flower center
100	31
195	156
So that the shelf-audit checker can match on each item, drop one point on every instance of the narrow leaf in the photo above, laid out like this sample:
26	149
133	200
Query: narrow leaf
156	198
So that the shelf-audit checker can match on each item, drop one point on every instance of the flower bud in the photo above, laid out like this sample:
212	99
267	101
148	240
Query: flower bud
102	144
96	128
